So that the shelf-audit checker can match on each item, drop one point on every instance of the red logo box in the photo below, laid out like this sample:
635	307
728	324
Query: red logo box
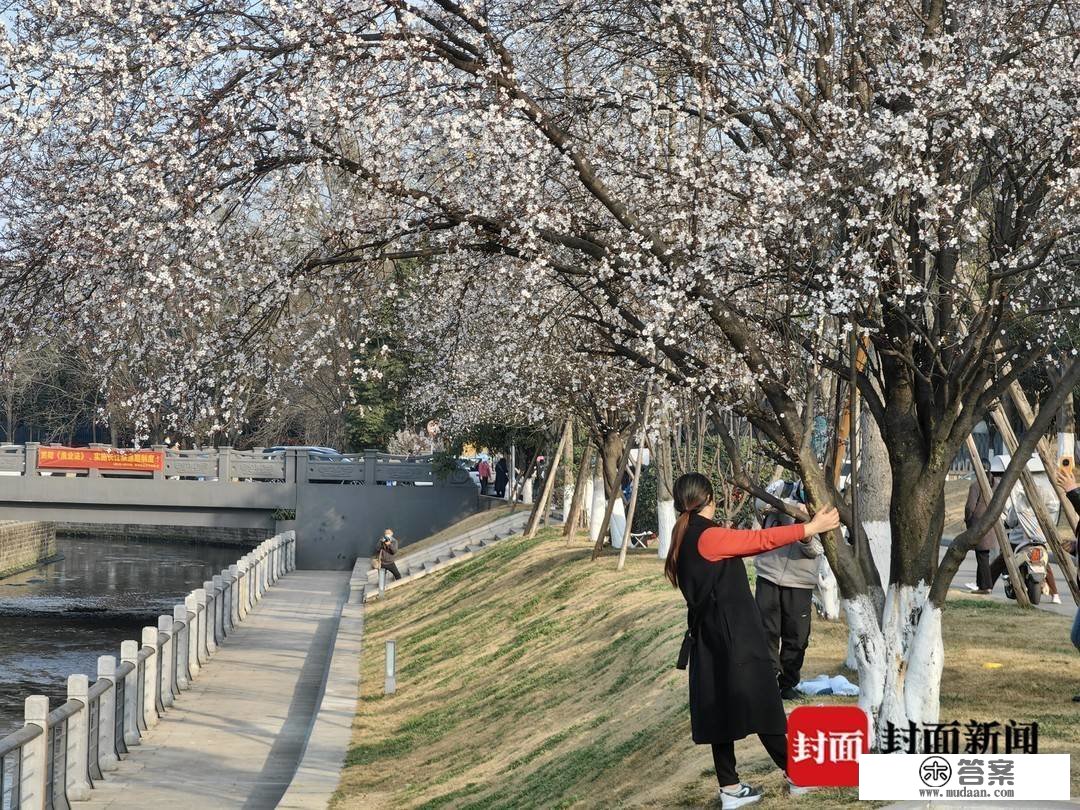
824	743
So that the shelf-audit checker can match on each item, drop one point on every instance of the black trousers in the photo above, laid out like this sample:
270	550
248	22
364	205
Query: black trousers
983	580
483	486
392	568
723	755
785	613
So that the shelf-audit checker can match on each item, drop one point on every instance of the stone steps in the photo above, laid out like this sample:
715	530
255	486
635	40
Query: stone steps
451	552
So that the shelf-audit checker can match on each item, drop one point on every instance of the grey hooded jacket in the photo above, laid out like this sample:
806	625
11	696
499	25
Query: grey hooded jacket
794	565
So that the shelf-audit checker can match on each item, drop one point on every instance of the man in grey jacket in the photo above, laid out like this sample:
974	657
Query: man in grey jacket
786	578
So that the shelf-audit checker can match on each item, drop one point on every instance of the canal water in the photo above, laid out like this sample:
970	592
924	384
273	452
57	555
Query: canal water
57	619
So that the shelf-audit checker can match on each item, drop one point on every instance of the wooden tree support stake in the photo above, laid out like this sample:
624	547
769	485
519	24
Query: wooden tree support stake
999	531
1048	526
637	482
549	484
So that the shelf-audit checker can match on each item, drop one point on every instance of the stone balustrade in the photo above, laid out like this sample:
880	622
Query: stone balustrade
60	754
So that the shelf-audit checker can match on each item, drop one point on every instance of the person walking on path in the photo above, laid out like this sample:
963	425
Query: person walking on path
388	546
1067	481
786	578
483	470
973	510
502	476
733	692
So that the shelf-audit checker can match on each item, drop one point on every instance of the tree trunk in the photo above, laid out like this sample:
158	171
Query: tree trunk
613	451
665	481
568	476
590	473
599	500
577	503
541	506
874	493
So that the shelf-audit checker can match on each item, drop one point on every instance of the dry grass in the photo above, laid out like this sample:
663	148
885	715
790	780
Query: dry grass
530	677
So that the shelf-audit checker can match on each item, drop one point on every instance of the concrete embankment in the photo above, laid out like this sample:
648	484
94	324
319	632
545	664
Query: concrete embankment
24	545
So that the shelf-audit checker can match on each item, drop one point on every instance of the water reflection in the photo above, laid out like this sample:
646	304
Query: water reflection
57	619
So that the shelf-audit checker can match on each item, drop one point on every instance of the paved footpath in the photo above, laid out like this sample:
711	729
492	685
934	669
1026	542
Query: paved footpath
234	739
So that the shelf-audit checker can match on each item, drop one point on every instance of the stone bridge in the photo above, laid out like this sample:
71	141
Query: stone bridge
337	507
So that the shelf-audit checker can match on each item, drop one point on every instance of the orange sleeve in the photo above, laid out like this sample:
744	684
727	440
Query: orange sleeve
717	543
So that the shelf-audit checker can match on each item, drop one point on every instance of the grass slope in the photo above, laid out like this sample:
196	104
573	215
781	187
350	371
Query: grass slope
530	677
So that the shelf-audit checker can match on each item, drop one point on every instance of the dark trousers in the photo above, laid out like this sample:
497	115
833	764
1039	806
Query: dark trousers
483	486
723	755
392	568
785	613
984	581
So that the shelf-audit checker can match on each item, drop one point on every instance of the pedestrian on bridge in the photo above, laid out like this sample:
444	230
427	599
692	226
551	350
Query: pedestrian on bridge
388	546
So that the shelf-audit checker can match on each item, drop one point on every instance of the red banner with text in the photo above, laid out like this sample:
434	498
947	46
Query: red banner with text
85	458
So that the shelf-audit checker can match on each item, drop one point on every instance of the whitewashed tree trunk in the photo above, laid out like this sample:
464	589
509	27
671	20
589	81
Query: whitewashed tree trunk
618	523
665	518
665	479
599	504
587	498
913	658
827	593
568	475
527	491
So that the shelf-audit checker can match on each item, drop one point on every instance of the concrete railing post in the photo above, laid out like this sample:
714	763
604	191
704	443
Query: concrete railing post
167	664
241	591
107	709
219	609
234	601
211	621
34	773
224	460
390	685
202	647
181	630
227	602
191	604
129	654
260	570
78	740
150	677
292	552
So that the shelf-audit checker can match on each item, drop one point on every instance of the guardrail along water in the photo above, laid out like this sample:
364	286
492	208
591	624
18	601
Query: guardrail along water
59	753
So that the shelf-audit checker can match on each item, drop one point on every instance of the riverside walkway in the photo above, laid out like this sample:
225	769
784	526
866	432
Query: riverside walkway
234	739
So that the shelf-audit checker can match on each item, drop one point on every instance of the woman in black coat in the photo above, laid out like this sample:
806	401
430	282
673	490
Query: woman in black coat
733	689
501	477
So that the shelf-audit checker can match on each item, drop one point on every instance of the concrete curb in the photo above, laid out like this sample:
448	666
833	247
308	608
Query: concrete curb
319	771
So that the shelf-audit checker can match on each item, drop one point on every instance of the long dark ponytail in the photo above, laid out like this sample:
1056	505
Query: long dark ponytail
692	493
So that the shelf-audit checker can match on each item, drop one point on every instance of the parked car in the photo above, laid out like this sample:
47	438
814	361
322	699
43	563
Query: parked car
314	453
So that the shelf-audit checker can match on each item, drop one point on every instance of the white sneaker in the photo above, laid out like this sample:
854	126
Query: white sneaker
797	790
743	796
971	586
1056	599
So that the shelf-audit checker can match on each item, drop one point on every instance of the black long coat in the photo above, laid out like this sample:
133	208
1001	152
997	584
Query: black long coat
733	688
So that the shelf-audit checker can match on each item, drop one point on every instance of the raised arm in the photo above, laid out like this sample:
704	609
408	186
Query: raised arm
722	544
717	544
